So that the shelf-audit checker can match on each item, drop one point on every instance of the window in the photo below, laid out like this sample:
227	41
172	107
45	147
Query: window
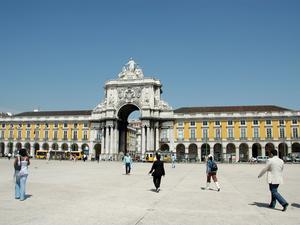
230	133
229	122
65	125
255	122
295	132
75	125
193	123
205	123
218	133
46	125
269	133
193	134
46	134
65	135
268	122
98	135
2	134
294	121
37	125
28	134
11	126
56	125
180	134
256	132
180	123
20	125
11	134
243	122
19	134
281	132
37	134
28	125
243	133
281	122
55	135
217	123
164	133
205	133
85	135
3	125
85	125
75	135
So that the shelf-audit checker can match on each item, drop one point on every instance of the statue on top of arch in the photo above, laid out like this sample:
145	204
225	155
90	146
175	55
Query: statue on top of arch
131	70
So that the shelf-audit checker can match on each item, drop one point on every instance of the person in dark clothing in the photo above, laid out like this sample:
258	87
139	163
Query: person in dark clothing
157	171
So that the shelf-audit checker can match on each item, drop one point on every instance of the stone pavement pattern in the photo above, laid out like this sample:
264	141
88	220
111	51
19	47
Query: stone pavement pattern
91	193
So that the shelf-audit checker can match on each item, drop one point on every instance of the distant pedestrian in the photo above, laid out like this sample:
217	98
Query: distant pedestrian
84	157
211	172
128	163
9	156
21	173
173	158
157	171
274	169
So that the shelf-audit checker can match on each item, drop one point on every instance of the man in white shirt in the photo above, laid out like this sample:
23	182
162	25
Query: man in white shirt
274	169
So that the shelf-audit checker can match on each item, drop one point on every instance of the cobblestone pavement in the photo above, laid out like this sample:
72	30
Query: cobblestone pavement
90	193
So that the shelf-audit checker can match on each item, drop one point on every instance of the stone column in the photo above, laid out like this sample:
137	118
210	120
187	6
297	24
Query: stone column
102	140
106	139
171	138
156	138
111	147
143	140
237	154
148	137
116	141
263	150
152	138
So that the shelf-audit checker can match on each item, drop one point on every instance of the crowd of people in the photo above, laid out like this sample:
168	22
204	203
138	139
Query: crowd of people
274	169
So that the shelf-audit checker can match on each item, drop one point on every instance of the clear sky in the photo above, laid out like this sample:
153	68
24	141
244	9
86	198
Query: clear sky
57	54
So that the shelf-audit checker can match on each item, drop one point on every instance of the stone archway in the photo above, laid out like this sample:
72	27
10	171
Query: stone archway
230	152
256	150
2	149
74	147
282	150
27	146
64	147
130	92
85	148
45	146
218	153
165	147
55	146
269	147
180	152
193	152
18	146
97	149
296	148
36	146
243	152
205	151
122	126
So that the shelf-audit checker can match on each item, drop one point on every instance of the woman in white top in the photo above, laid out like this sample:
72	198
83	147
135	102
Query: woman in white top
21	173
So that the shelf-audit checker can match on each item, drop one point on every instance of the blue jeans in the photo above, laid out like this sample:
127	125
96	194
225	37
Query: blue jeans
128	167
20	187
276	196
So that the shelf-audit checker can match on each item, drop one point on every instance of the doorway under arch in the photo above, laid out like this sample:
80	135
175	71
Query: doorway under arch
193	152
243	152
218	152
165	147
282	150
180	152
97	149
123	114
256	150
205	151
269	147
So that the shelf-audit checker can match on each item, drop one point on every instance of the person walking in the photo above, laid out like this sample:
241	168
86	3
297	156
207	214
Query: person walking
274	169
9	156
173	158
157	170
21	164
211	172
128	163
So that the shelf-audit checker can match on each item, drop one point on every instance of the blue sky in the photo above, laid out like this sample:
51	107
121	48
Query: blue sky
57	55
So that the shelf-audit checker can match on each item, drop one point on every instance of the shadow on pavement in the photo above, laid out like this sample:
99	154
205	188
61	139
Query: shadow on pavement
262	205
296	205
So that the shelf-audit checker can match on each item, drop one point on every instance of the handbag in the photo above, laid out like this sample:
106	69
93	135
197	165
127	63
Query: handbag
17	164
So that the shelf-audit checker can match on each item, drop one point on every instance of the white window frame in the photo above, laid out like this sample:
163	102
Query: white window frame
269	135
256	133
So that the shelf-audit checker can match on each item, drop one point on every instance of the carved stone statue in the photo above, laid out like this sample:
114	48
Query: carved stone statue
131	71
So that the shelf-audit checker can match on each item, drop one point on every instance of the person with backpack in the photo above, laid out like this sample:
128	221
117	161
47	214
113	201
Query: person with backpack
211	172
21	164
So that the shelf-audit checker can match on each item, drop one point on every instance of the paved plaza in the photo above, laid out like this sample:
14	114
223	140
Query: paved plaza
90	193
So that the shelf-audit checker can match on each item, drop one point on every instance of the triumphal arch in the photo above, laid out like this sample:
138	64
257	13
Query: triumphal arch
131	91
